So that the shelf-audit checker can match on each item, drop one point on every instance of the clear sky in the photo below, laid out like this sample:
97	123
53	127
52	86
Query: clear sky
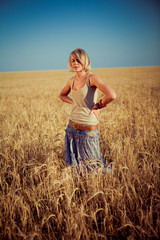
40	34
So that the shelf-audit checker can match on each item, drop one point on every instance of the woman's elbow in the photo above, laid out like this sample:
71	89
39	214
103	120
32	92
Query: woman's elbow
113	96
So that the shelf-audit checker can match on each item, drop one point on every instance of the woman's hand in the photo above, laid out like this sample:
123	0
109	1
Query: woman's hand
95	110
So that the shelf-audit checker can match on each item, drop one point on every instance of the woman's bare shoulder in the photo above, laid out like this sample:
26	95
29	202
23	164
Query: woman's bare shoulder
93	79
69	82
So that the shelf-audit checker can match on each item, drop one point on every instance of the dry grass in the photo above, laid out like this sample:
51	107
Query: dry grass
40	198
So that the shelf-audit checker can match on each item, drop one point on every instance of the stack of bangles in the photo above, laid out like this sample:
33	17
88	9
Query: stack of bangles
100	105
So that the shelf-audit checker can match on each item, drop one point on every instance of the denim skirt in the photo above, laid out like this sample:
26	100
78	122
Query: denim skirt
81	146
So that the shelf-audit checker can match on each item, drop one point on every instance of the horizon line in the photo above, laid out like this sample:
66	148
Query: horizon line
71	71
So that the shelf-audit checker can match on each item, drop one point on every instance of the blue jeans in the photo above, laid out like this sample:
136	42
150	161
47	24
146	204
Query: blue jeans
81	146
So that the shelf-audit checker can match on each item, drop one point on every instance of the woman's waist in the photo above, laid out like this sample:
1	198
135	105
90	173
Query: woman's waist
82	116
80	126
85	120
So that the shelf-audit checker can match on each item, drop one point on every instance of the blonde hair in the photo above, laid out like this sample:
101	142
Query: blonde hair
82	57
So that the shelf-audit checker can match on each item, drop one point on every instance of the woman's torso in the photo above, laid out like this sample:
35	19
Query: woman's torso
83	101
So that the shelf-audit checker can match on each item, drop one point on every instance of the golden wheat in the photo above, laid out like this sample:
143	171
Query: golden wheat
41	198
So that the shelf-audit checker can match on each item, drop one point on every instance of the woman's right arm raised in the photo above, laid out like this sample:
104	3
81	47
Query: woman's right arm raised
65	91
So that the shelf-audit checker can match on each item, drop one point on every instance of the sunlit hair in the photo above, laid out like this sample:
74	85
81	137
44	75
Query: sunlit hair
81	57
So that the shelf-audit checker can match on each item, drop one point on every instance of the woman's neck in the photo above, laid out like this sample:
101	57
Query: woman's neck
80	75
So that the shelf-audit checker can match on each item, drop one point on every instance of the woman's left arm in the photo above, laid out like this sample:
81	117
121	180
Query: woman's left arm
109	93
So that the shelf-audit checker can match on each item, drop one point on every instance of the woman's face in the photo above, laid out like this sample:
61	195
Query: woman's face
75	64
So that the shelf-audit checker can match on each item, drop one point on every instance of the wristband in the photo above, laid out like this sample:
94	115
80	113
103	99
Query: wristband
101	105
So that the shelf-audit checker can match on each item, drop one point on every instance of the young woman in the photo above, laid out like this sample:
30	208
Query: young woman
82	139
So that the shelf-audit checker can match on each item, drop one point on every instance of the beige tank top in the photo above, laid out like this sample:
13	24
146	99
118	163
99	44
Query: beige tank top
83	101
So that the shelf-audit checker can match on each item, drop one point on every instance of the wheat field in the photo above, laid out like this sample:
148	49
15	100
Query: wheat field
41	198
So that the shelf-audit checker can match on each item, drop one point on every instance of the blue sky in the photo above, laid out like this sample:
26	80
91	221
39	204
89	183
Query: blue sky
40	34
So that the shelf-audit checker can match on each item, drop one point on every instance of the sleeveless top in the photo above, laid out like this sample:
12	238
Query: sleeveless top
83	101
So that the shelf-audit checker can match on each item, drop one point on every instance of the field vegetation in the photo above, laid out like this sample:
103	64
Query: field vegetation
41	198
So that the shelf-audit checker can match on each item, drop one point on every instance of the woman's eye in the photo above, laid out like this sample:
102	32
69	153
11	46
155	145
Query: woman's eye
73	60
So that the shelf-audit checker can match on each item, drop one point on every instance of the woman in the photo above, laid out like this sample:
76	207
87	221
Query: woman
82	139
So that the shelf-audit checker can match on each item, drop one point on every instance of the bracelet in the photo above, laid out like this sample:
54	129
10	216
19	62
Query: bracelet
101	105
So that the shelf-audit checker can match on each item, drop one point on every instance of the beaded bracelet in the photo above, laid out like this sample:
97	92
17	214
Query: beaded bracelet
100	104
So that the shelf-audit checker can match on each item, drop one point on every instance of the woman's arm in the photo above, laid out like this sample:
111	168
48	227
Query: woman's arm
65	91
109	93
